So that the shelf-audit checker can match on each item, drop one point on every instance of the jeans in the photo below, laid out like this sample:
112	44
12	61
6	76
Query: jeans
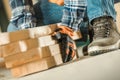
73	13
100	8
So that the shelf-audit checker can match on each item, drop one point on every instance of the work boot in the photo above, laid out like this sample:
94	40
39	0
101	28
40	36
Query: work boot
106	37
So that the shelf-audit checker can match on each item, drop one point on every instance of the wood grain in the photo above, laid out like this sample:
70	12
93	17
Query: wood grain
35	66
31	55
24	45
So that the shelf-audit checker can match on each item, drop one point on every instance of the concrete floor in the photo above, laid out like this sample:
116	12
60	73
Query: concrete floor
101	67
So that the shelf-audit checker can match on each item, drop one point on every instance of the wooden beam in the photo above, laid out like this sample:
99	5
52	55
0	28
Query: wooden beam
1	54
2	63
42	30
31	55
8	37
36	66
24	45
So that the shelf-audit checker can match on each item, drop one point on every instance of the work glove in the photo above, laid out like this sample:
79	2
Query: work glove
58	2
63	35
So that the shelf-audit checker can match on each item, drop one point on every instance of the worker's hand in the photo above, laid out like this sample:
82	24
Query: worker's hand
58	2
63	35
64	30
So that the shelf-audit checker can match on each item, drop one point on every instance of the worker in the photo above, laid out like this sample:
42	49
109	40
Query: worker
101	15
23	15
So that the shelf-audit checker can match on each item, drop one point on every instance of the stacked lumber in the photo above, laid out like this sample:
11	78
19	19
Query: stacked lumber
31	50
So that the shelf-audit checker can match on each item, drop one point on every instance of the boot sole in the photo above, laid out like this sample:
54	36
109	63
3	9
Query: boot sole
100	50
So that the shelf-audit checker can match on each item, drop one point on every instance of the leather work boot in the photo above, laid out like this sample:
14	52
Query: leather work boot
106	37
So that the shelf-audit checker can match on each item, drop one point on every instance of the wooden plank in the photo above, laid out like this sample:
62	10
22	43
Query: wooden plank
46	41
58	59
21	58
117	8
2	63
34	66
42	30
53	49
49	29
31	55
10	49
24	45
6	37
77	35
1	54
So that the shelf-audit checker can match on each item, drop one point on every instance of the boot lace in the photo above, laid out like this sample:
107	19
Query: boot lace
102	29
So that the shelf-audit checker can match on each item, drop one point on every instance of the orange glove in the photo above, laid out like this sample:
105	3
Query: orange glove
64	30
58	2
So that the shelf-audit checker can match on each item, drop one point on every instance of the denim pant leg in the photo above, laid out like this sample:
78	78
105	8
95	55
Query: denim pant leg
100	8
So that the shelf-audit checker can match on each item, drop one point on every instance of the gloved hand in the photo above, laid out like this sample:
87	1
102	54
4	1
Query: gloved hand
64	30
58	2
63	35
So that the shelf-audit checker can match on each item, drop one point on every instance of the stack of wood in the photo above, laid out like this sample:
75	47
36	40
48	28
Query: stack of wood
31	50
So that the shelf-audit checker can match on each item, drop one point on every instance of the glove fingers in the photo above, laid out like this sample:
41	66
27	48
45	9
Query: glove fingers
60	2
63	30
